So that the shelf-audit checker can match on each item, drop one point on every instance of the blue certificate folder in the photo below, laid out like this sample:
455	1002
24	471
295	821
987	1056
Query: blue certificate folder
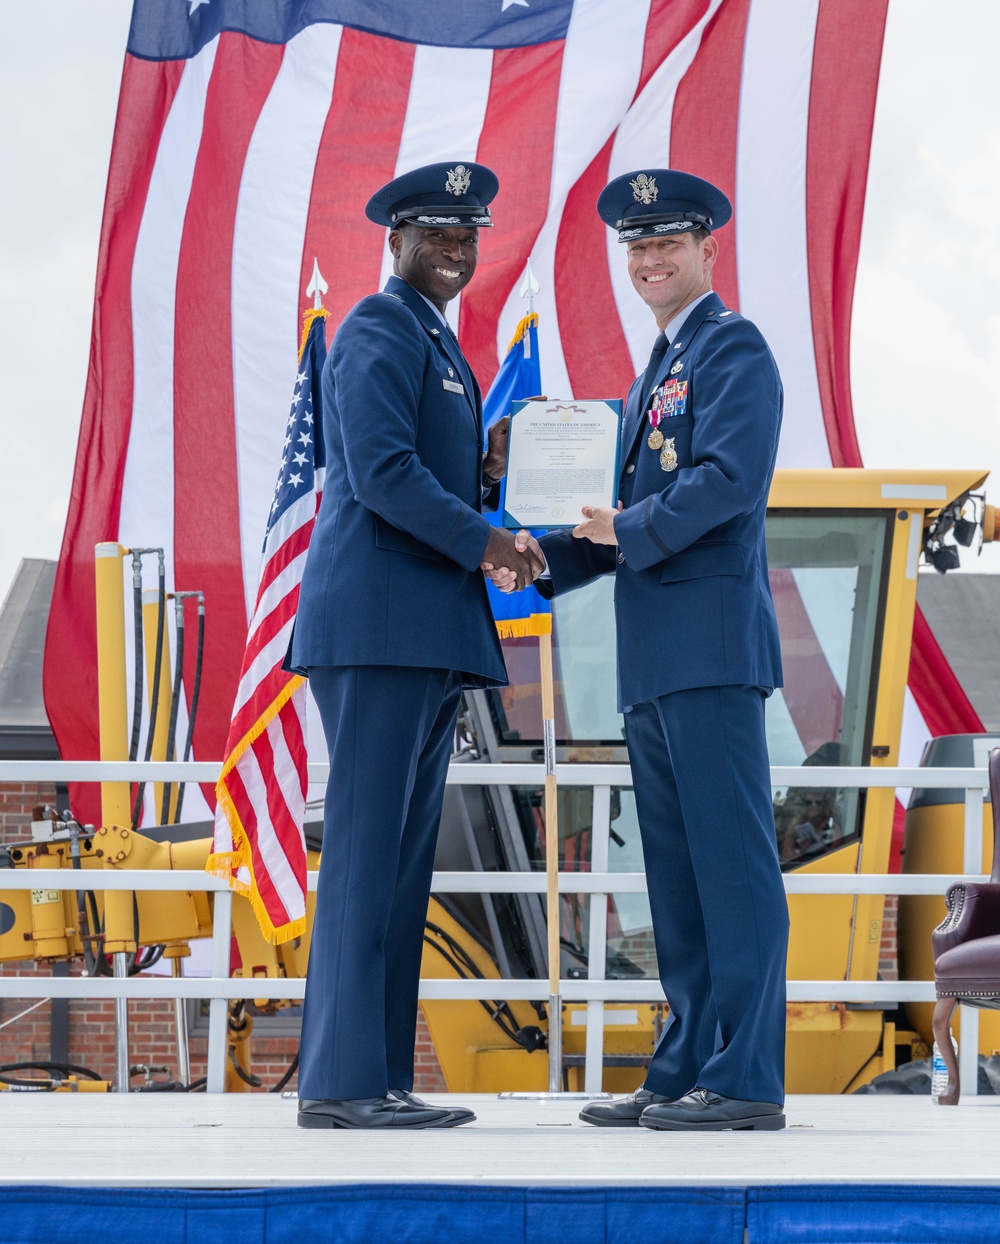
540	515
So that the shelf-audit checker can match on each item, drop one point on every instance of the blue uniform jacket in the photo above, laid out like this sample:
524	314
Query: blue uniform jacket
392	576
692	600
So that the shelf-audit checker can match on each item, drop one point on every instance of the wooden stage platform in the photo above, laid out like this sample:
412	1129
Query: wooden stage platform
241	1141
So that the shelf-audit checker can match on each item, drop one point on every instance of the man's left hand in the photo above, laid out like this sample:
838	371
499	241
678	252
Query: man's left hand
598	524
495	462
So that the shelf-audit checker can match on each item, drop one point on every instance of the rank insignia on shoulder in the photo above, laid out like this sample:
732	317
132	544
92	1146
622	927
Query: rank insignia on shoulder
676	368
723	314
452	386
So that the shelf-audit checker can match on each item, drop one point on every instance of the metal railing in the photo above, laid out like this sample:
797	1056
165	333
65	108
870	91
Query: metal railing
599	883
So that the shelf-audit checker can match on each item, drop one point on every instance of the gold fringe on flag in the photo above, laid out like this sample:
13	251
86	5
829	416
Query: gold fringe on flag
225	864
529	321
313	313
519	628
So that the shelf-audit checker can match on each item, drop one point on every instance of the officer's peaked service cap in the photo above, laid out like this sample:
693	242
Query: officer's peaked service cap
656	202
451	194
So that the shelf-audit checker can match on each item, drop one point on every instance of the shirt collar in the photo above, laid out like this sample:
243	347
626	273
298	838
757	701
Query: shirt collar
436	310
673	329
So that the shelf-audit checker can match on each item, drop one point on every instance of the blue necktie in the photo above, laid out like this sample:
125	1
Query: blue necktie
652	367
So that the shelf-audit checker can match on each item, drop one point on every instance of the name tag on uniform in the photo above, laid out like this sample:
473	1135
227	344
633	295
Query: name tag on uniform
453	386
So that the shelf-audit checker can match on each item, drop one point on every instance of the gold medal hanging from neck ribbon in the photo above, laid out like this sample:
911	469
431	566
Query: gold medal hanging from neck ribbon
655	438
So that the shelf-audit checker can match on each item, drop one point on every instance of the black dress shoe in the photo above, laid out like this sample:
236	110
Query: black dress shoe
625	1112
705	1111
371	1112
461	1114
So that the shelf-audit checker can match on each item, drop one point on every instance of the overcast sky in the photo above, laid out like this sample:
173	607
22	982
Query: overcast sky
926	339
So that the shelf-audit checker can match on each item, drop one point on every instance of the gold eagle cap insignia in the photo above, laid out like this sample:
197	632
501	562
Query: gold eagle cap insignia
644	189
459	179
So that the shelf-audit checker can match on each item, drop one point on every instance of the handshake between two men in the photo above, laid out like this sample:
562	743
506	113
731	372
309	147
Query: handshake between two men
514	561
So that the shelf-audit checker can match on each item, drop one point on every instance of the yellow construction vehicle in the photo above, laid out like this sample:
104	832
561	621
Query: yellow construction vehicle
843	548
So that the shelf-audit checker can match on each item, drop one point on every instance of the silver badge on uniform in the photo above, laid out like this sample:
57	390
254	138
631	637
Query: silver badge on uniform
452	386
668	455
676	368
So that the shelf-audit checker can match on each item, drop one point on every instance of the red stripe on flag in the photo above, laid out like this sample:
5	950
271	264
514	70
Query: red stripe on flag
599	361
706	120
279	614
248	819
70	669
812	695
284	832
357	154
284	555
597	355
846	56
668	22
516	141
943	704
206	484
267	691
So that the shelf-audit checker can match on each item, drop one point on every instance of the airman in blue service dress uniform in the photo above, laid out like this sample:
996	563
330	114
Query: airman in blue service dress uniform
697	655
393	620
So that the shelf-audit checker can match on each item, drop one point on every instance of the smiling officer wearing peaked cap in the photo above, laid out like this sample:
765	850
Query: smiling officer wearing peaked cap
697	656
393	620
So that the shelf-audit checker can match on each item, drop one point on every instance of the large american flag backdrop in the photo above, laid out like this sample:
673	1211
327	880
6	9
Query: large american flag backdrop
250	133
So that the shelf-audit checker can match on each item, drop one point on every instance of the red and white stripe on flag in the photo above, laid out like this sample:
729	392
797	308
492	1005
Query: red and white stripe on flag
234	166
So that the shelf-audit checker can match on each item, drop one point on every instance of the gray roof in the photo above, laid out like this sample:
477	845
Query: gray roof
963	611
24	725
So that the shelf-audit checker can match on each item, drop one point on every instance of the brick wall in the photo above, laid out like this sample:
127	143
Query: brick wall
152	1038
888	963
16	801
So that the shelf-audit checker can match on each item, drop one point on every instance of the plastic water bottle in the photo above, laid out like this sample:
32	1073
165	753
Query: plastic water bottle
939	1072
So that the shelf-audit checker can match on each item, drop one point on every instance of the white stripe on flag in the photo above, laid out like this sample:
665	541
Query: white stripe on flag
267	258
146	518
771	250
272	654
449	91
298	514
285	768
280	586
273	857
591	103
913	738
643	141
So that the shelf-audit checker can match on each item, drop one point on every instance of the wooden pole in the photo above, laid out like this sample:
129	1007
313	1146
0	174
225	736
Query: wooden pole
551	862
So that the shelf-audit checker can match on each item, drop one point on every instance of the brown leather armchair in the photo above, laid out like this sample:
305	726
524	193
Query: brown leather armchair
967	948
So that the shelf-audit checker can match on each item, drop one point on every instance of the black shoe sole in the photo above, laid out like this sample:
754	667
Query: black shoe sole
757	1123
327	1123
598	1122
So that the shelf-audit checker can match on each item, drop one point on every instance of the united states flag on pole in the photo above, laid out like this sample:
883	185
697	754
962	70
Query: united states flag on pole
248	140
259	841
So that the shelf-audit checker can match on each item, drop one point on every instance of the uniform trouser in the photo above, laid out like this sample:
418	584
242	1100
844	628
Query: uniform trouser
390	732
720	919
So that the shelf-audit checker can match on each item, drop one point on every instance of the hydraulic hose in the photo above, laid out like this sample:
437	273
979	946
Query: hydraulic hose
154	694
195	691
175	700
